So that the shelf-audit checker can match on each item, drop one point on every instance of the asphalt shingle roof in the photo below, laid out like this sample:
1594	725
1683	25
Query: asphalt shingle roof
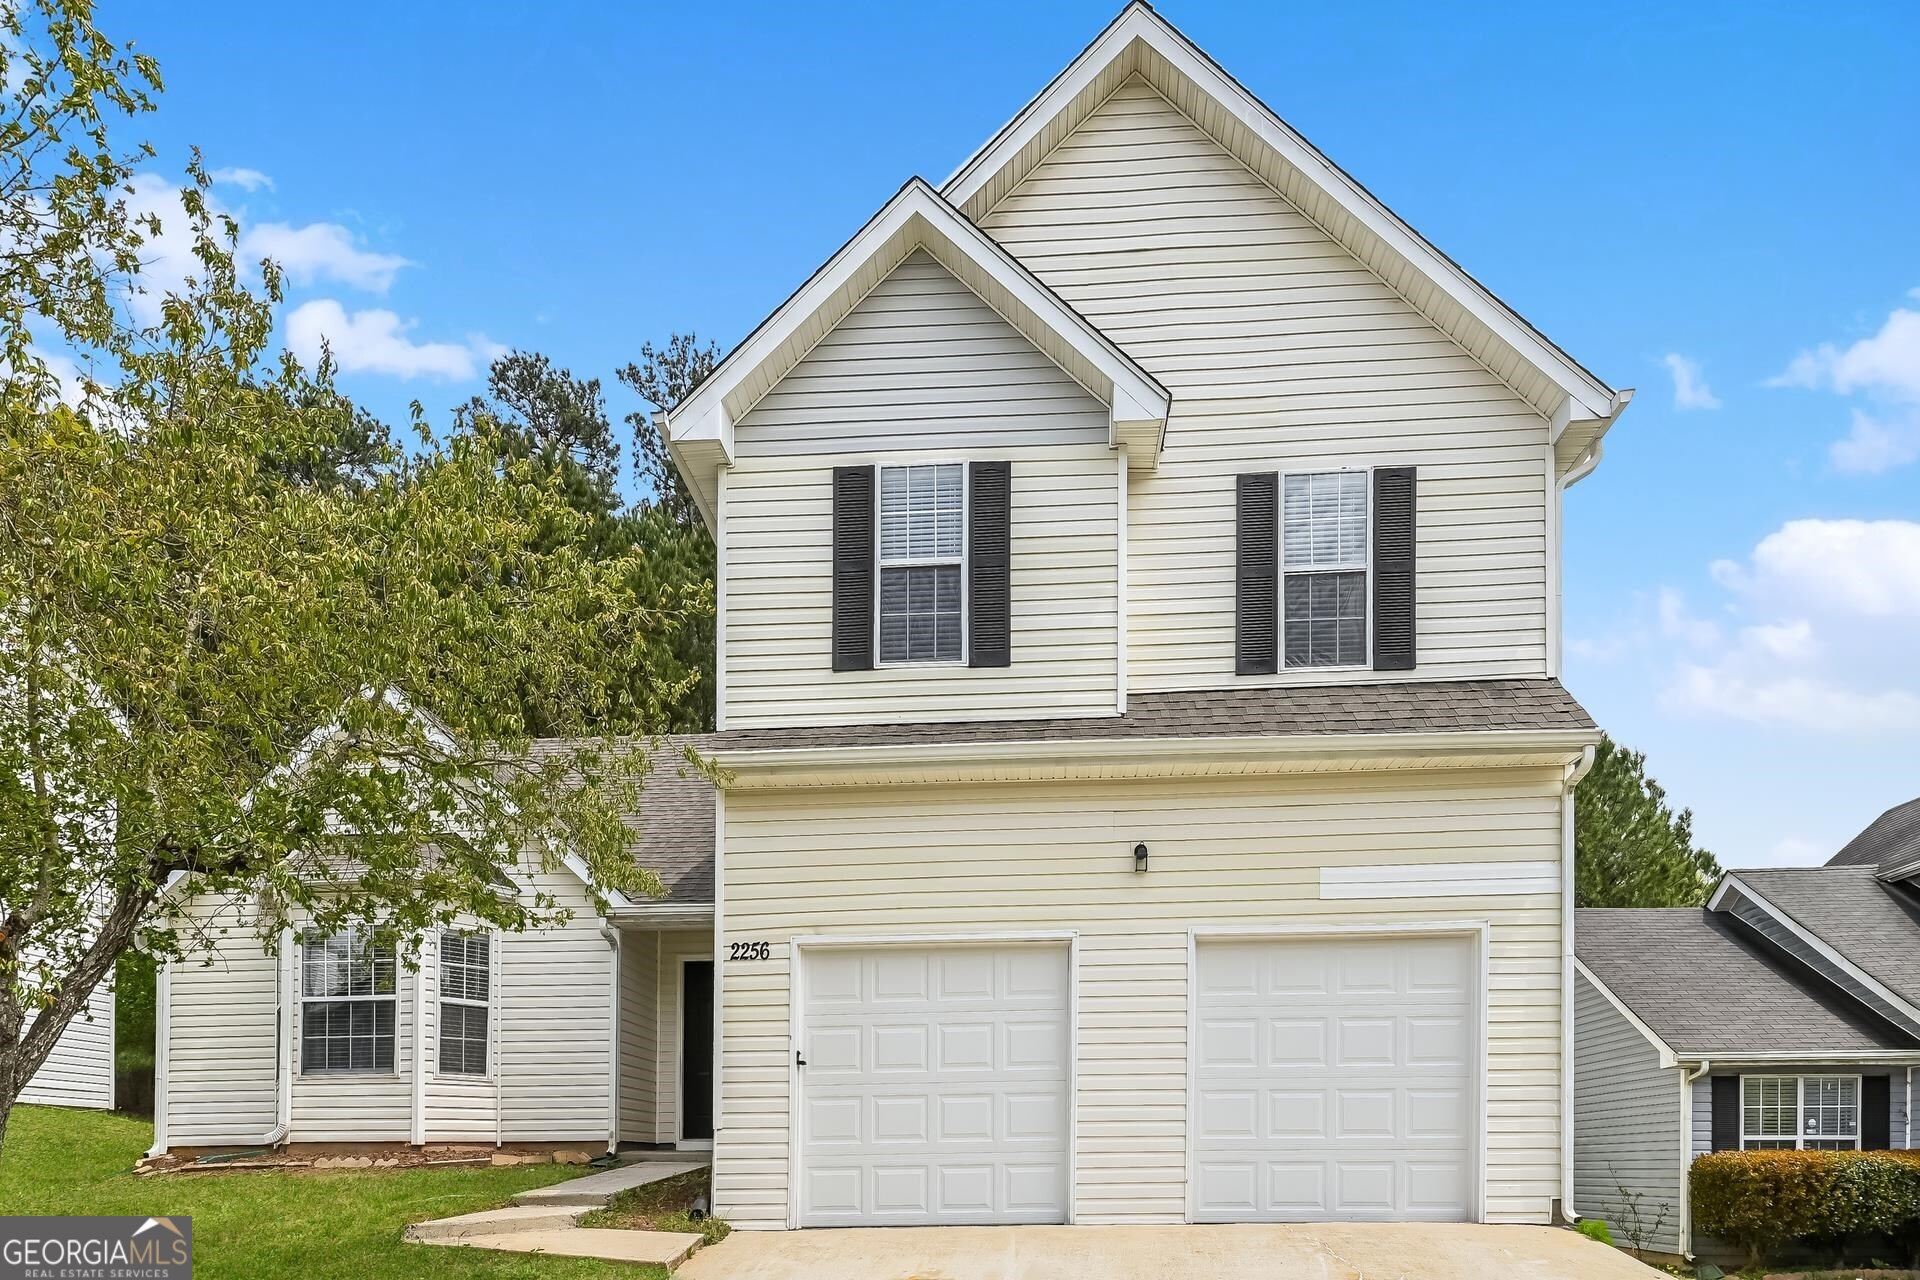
1890	842
1873	924
1708	988
1402	706
673	828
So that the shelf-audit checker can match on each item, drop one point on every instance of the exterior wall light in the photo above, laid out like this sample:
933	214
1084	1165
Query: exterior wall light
1139	857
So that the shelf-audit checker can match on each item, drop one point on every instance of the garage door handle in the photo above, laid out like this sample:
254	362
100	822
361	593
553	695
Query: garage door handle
799	1058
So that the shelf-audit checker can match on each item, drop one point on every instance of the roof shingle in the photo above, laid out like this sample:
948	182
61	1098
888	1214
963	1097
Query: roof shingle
1708	988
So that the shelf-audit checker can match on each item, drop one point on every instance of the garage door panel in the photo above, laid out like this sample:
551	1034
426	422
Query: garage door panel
1357	1100
952	1105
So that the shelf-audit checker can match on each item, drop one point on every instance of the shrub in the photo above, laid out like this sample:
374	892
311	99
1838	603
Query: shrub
1761	1200
1594	1229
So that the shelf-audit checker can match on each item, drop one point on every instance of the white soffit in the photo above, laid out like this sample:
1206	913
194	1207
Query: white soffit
700	429
1140	42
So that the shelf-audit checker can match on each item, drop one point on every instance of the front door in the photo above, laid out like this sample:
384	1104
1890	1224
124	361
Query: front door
696	1050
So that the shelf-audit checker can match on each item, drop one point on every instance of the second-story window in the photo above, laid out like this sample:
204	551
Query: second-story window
1323	591
922	561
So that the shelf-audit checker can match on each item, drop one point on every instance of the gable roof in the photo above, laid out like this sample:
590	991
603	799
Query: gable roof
1707	988
1891	843
700	428
1874	926
1140	42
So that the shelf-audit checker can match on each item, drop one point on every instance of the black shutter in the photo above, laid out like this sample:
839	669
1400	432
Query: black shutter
1876	1113
989	562
853	568
1393	565
1726	1113
1256	574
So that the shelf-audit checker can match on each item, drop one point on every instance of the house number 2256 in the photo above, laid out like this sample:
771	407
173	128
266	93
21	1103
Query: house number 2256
749	950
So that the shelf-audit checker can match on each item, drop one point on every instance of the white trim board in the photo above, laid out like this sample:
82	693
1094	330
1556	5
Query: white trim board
1439	880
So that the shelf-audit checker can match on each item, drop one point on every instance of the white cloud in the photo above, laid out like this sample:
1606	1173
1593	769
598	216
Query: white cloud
321	251
1831	614
1677	624
1885	370
377	341
1875	445
1888	362
245	179
1690	390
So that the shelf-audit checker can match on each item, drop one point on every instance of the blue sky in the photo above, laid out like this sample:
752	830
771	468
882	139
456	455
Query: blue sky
1716	204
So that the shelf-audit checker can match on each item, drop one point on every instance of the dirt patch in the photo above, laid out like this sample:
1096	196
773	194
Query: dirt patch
666	1205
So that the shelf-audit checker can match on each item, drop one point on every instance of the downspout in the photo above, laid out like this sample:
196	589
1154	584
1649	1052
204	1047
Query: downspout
499	995
612	935
283	1043
1909	1106
417	1134
1575	771
162	1017
1687	1080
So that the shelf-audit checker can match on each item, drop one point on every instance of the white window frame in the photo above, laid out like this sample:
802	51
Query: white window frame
881	564
1364	567
440	987
1799	1139
309	938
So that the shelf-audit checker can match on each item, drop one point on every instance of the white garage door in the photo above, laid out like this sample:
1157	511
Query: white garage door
1334	1080
935	1086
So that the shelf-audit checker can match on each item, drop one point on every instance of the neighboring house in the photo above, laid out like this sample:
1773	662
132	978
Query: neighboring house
1147	783
1785	1013
79	1070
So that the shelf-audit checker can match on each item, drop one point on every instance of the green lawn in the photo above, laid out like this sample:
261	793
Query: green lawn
261	1226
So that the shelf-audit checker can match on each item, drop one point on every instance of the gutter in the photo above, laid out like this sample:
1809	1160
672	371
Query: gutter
1568	745
1575	771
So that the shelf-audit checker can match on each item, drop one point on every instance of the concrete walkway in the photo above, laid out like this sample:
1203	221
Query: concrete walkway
547	1220
1386	1251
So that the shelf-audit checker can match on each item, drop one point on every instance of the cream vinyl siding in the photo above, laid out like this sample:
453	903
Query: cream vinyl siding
1057	856
1628	1132
552	1016
79	1070
921	370
639	1035
1282	353
221	1032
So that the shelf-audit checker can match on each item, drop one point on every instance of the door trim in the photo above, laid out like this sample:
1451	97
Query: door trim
1474	930
799	944
680	1138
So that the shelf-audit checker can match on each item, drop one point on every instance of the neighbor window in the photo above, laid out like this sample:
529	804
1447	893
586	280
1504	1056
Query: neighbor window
1812	1113
923	534
1323	589
464	978
346	1003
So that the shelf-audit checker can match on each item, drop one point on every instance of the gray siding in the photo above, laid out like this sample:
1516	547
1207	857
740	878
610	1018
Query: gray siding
1626	1118
1703	1098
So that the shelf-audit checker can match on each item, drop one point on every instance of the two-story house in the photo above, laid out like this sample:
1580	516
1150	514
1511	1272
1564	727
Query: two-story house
1147	785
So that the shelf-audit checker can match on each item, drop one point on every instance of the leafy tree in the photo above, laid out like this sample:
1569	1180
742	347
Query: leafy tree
542	413
663	377
217	594
1630	848
667	524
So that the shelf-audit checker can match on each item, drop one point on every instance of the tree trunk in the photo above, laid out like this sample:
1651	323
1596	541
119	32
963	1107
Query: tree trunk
22	1052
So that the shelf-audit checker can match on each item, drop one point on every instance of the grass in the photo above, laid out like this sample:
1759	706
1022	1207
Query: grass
661	1206
342	1225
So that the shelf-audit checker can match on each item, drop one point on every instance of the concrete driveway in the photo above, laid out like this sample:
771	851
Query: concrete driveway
1293	1252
